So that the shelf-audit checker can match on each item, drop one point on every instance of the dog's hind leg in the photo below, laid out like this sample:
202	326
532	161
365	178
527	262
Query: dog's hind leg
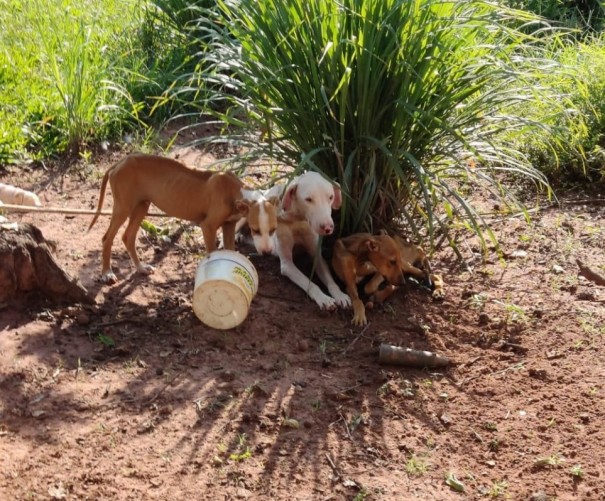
372	286
117	219
437	281
419	274
130	236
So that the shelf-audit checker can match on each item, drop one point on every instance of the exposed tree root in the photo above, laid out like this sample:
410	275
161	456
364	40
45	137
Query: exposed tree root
27	264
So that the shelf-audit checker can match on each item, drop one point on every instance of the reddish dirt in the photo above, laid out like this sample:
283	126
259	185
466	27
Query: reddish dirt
134	398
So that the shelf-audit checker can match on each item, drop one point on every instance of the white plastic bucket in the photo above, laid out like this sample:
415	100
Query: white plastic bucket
225	283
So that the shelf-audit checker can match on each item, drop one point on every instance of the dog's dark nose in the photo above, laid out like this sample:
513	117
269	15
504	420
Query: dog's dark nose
326	229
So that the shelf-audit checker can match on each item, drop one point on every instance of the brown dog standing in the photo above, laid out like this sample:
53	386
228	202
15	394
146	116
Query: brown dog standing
207	198
361	255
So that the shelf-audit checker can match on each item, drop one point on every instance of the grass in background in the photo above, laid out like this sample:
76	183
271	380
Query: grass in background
75	74
588	16
165	47
402	102
177	33
579	154
59	60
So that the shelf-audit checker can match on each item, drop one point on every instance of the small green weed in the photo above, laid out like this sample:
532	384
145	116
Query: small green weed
494	445
416	466
323	347
552	460
514	313
106	341
242	456
245	453
478	301
361	495
577	471
498	488
489	426
384	389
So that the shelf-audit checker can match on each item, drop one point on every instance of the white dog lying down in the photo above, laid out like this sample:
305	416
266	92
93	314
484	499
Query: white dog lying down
306	213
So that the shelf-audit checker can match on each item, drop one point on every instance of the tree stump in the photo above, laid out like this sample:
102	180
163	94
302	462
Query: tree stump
27	264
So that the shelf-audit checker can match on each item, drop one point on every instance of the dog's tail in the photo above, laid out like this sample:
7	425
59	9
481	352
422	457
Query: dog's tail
101	197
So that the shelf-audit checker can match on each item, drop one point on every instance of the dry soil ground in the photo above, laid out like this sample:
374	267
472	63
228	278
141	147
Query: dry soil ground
134	398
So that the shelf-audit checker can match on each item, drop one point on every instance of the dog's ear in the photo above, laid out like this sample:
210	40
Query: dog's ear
289	196
372	245
337	201
243	206
274	201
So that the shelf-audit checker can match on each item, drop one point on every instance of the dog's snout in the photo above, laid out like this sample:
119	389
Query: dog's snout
326	229
396	279
267	248
263	245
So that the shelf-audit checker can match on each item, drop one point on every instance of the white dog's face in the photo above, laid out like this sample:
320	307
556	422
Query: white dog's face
313	197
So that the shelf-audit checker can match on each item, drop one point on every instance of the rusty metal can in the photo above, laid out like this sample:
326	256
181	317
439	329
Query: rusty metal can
396	355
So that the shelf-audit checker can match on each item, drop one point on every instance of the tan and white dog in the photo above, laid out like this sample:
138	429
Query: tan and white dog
210	199
260	218
306	213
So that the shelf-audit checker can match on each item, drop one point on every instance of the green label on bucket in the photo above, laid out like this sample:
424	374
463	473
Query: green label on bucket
245	275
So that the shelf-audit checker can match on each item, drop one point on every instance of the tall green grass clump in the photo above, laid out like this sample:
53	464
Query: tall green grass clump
61	85
78	75
165	50
167	64
579	152
401	101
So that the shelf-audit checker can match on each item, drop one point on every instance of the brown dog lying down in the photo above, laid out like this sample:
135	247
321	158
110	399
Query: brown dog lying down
415	263
361	255
208	198
383	258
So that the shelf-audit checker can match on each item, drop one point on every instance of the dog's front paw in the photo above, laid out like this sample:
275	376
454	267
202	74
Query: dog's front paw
359	313
145	269
109	278
360	319
325	302
342	299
